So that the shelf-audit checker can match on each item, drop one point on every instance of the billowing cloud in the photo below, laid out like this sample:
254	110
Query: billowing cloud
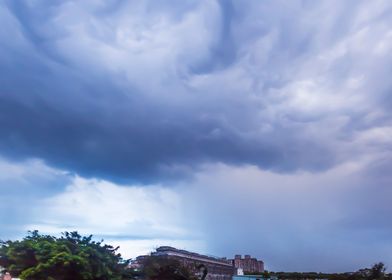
140	91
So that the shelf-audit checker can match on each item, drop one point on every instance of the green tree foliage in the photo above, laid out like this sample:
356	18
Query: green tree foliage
376	272
161	268
70	257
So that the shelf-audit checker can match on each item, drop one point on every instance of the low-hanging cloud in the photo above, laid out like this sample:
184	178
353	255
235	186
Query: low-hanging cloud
330	221
144	91
22	187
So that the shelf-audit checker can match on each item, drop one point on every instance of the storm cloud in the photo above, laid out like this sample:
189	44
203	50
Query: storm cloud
142	91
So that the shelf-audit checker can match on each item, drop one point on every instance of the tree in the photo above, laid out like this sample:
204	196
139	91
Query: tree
70	257
162	268
377	271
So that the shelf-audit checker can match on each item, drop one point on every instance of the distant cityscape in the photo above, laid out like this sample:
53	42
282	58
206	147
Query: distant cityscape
218	268
165	263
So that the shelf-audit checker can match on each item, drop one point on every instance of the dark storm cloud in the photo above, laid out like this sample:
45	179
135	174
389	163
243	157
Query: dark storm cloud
144	91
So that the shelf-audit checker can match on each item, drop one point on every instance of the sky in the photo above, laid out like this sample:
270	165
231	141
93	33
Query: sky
222	127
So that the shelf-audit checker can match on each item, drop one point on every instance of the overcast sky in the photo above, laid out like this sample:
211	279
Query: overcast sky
224	127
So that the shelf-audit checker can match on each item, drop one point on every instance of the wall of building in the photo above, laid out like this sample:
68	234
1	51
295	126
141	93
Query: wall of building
218	268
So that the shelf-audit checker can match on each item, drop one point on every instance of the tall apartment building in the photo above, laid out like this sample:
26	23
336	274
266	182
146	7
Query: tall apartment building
248	264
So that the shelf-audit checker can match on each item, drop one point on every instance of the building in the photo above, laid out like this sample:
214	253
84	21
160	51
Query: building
248	264
218	268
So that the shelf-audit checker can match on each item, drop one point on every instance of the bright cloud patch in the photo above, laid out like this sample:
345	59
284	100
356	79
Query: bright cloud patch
130	215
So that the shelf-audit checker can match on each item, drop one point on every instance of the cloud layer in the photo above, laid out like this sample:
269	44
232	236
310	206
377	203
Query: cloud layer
144	91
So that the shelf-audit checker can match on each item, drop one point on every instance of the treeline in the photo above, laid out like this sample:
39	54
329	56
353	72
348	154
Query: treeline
76	257
376	272
70	257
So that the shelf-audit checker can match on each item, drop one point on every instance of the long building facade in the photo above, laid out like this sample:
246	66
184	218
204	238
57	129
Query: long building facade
218	268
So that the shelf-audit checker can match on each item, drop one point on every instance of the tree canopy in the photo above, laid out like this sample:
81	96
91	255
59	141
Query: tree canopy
376	272
161	268
72	256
